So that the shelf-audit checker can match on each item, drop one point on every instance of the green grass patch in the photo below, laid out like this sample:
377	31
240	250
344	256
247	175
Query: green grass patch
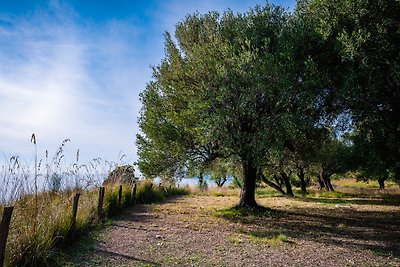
236	238
370	184
271	238
76	254
262	192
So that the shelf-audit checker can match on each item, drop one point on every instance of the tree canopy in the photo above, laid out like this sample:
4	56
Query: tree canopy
362	40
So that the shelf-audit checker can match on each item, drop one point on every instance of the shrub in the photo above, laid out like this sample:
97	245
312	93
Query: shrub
146	193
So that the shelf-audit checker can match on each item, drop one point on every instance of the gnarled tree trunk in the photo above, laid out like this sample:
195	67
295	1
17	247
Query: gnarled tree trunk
321	182
326	177
288	185
220	182
303	183
381	182
273	185
247	194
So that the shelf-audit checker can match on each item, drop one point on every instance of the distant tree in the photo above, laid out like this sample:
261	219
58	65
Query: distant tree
55	182
277	171
220	170
334	157
121	175
370	154
359	47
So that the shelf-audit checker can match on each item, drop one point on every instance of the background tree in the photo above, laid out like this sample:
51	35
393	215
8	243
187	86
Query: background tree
334	157
220	170
359	48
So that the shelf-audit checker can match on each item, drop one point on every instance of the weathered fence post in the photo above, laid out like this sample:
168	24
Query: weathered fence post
119	196
100	203
74	213
134	194
4	228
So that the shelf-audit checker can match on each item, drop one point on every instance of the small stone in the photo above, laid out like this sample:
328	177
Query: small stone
158	236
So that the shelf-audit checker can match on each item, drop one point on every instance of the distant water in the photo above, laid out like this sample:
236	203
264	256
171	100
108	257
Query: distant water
14	189
193	181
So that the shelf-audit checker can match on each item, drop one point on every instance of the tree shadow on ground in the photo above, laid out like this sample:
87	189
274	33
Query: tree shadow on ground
143	212
377	231
394	200
112	254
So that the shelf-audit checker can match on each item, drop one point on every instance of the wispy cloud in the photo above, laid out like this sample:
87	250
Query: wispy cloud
61	79
64	75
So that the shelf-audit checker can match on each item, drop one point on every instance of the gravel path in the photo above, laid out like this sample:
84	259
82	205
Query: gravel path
198	231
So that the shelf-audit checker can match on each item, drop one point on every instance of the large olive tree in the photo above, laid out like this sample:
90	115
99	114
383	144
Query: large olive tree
230	85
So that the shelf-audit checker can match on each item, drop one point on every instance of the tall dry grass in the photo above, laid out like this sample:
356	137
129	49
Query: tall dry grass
42	197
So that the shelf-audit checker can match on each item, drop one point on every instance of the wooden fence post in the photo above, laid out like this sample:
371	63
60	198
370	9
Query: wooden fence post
119	196
100	203
134	194
4	228
74	213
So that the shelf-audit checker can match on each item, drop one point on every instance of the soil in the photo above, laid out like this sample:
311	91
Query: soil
202	231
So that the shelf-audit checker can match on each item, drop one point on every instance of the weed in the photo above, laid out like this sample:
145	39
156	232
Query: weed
270	237
235	238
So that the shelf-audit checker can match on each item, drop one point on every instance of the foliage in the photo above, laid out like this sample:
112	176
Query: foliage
359	48
232	85
147	194
124	174
220	170
55	182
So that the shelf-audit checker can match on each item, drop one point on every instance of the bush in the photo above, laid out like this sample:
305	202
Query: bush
146	193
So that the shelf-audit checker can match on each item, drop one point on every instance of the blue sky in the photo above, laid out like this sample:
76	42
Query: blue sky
74	69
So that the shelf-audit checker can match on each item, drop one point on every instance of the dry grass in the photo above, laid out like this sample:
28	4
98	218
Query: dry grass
36	234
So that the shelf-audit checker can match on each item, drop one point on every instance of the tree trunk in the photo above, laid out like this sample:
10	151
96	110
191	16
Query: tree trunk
381	182
321	182
278	181
220	182
330	184
202	183
247	194
273	185
303	183
288	185
397	173
327	181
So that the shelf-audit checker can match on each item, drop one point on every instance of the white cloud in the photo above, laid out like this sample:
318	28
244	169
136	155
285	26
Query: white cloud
63	76
61	80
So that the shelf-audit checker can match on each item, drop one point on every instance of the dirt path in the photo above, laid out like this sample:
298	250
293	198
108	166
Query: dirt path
198	231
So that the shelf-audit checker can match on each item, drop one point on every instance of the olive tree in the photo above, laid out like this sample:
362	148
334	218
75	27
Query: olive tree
230	85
